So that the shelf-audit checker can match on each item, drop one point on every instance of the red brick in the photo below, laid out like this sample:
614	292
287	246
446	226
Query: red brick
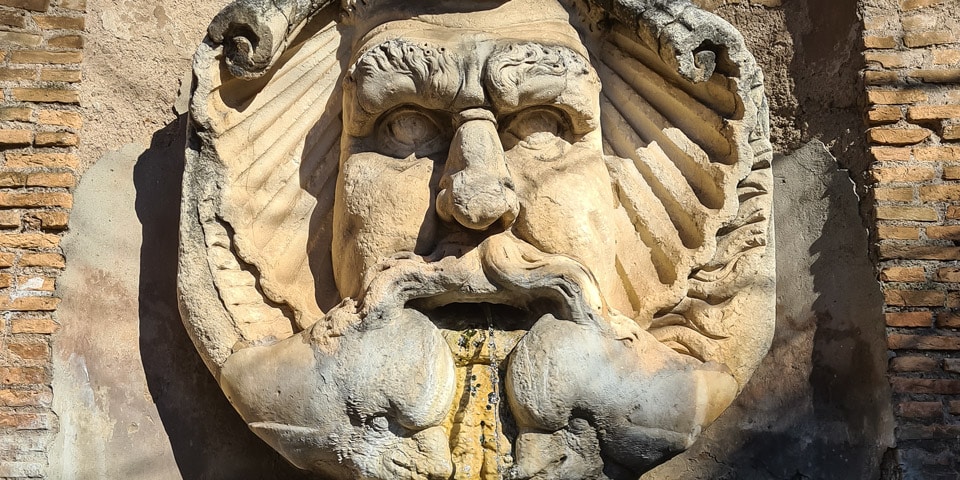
899	341
937	154
24	304
886	232
45	57
903	274
950	132
916	214
891	60
897	136
909	319
913	364
933	112
52	22
13	19
37	283
948	274
50	179
49	95
66	41
34	5
25	421
53	260
52	220
60	117
50	160
20	39
890	154
891	250
925	385
58	75
951	365
946	57
9	219
874	77
954	407
874	41
34	325
16	114
941	232
884	114
25	398
914	298
895	97
912	174
29	350
29	240
937	76
920	409
953	300
893	194
36	199
940	193
923	39
56	139
18	74
948	320
23	375
13	178
15	137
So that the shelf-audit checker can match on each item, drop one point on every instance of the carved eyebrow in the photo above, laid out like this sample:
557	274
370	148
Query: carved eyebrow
399	72
520	75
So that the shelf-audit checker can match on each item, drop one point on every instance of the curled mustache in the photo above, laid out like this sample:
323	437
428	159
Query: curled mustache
501	269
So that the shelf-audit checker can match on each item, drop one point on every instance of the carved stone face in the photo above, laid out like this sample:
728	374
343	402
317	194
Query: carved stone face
453	136
522	293
457	142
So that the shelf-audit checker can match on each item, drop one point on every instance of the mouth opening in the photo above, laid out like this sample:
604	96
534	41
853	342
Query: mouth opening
477	315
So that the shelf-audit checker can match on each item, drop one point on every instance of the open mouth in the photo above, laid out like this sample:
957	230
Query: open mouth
480	332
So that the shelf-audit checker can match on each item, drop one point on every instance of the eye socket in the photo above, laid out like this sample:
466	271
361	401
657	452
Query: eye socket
407	131
535	128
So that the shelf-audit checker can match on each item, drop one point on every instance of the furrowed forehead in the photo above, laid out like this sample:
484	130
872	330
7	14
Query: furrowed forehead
475	69
544	21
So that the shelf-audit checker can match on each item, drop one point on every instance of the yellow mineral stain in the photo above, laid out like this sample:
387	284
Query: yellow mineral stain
472	424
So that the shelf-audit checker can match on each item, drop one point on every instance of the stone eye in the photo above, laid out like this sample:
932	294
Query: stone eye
407	131
535	128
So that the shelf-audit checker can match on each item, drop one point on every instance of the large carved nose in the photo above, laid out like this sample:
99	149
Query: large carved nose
476	189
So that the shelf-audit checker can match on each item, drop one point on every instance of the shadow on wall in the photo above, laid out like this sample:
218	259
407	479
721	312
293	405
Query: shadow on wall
208	438
819	405
840	424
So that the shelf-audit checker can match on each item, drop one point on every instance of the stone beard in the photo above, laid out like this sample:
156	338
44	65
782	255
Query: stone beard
520	296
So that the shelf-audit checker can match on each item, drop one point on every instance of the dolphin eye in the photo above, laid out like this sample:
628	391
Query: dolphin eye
407	131
535	128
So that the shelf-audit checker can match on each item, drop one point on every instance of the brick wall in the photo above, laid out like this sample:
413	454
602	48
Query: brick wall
41	45
912	81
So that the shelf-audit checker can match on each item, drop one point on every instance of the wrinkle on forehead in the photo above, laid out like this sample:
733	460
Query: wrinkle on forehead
545	21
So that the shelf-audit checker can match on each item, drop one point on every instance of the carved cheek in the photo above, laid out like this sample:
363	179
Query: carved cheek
384	207
567	207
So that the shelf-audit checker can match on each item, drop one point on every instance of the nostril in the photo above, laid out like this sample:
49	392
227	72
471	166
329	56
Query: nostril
477	203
